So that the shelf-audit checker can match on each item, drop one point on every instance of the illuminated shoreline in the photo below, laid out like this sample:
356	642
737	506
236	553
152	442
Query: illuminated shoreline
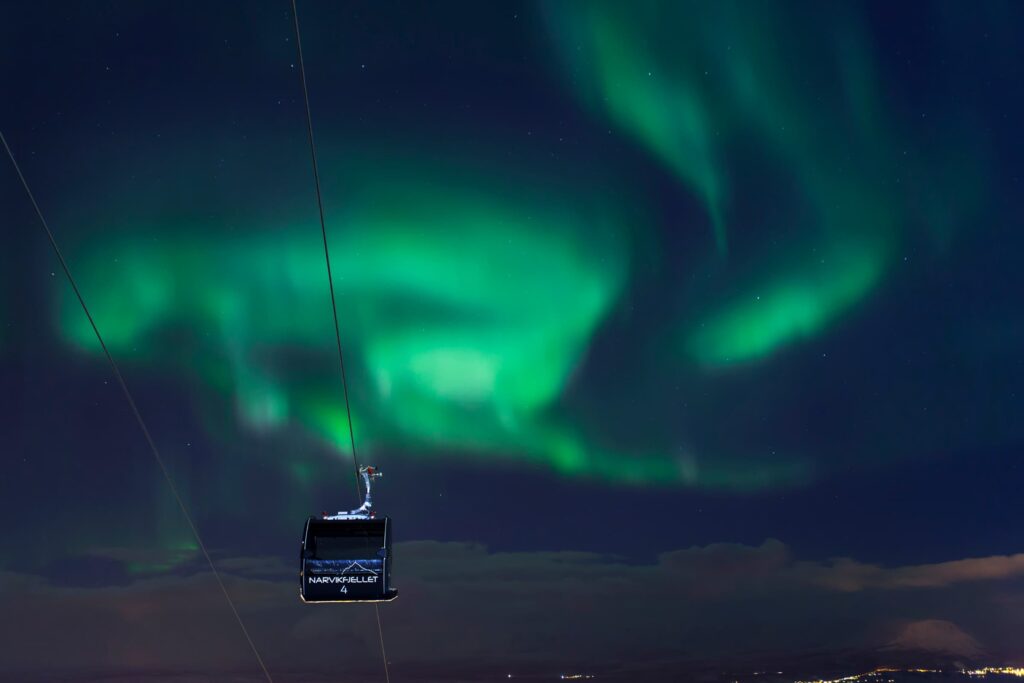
985	671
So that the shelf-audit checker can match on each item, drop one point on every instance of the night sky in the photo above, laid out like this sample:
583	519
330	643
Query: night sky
687	335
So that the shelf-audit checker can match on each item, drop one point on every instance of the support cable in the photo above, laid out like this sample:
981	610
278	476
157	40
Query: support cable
327	251
135	410
334	305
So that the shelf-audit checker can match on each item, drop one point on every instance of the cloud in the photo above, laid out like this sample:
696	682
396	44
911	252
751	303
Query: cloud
937	636
465	611
849	575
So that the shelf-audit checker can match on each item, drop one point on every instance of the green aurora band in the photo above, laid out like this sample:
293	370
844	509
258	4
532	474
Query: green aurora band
464	313
471	290
725	91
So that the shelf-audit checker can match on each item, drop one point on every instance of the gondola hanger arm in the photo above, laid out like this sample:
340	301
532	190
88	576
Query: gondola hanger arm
364	511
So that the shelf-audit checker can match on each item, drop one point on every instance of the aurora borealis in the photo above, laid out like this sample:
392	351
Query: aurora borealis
457	343
742	271
710	89
469	305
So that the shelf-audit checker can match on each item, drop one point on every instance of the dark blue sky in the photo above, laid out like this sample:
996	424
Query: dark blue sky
721	275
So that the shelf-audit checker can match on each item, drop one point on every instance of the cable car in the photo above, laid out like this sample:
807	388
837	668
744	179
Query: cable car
346	557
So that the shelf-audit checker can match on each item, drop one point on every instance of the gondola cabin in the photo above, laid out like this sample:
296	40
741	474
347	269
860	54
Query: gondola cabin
346	560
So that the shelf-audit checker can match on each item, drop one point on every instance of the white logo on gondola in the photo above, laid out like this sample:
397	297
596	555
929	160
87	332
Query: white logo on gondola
348	579
359	567
343	579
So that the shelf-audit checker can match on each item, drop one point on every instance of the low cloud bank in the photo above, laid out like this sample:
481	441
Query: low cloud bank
465	611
